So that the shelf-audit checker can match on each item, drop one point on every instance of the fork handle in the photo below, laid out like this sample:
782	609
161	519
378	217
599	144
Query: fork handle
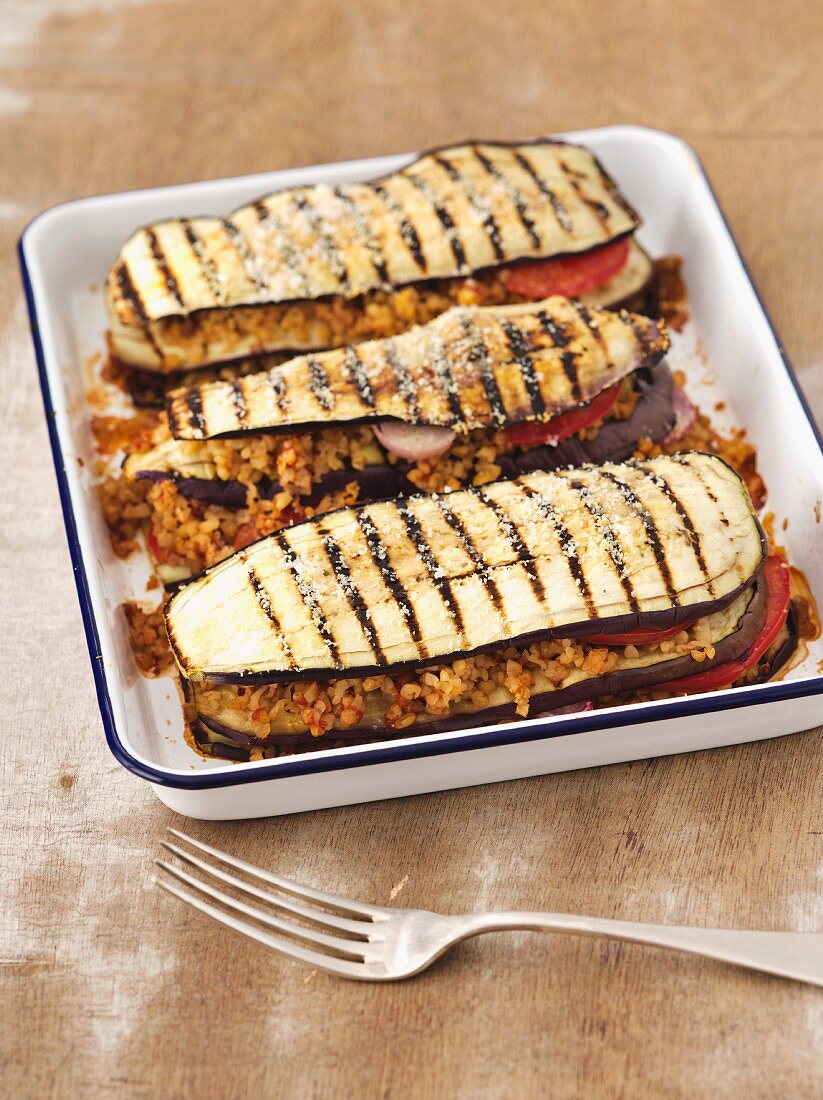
797	955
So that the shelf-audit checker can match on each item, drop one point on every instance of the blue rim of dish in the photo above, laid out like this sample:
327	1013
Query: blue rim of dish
494	736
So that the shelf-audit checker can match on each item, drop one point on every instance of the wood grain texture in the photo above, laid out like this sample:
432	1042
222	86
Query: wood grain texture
110	989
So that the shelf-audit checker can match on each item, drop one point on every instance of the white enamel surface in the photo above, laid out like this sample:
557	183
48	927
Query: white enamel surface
68	251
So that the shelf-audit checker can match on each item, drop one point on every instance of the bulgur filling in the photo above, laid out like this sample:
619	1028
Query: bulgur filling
328	322
192	535
398	701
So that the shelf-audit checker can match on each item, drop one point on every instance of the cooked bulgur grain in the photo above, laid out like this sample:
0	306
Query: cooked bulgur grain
147	634
397	700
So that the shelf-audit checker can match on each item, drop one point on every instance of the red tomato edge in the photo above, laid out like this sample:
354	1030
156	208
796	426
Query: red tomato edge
636	637
535	432
776	577
569	275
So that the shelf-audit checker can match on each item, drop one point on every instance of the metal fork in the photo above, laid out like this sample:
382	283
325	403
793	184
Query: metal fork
373	943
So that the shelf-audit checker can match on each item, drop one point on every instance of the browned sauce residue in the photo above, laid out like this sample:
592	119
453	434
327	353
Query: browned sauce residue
671	291
147	634
808	618
133	433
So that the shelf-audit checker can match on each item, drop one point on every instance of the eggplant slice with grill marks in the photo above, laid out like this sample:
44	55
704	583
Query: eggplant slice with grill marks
404	584
190	466
282	273
469	368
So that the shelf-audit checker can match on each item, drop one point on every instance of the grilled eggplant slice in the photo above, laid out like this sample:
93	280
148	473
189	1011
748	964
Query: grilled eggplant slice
467	369
406	583
193	291
189	464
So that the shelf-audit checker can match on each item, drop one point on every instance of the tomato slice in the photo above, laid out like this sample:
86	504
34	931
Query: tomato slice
533	433
249	532
636	637
568	275
156	551
246	535
776	578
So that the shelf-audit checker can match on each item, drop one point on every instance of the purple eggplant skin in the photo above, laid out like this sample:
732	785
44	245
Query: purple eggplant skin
653	418
231	494
730	648
227	752
774	659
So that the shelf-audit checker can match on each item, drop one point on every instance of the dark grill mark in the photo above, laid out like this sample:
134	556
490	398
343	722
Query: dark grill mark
520	352
592	326
600	211
406	385
709	491
443	217
319	383
352	593
693	534
359	376
609	537
310	601
380	557
560	338
265	604
652	534
643	337
446	380
435	571
204	260
194	404
479	355
407	230
247	257
331	253
466	541
569	361
567	543
162	262
685	518
487	218
171	414
239	400
515	540
516	197
130	292
132	296
364	233
617	198
279	388
560	211
556	333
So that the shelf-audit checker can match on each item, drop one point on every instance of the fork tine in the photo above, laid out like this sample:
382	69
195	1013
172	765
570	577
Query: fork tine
342	967
336	901
309	935
329	921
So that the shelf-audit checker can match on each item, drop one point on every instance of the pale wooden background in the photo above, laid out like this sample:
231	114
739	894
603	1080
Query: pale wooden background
110	989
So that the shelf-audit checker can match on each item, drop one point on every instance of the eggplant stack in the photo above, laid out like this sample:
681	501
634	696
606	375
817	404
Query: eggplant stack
321	266
551	384
438	612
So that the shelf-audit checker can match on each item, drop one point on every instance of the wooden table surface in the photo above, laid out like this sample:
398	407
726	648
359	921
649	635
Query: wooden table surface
108	988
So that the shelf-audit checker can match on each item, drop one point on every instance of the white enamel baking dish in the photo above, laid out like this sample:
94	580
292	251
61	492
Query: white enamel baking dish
65	255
